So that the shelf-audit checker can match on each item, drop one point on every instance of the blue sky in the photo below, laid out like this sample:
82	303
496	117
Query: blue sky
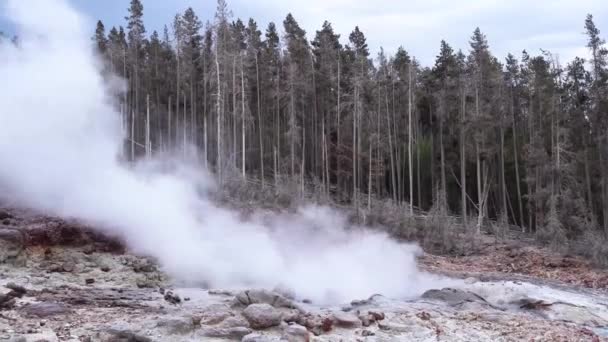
554	25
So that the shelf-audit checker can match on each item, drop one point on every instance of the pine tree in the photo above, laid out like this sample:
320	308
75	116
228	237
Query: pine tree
599	90
100	38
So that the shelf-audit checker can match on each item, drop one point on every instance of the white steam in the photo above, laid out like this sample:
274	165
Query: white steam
59	142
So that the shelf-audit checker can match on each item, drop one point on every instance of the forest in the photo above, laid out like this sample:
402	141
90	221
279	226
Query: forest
518	139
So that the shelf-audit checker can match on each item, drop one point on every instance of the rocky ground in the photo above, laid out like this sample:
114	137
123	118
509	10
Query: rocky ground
62	282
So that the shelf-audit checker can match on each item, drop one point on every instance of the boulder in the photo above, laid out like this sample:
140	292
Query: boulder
46	309
454	297
123	336
182	325
236	333
234	322
295	333
346	320
11	244
4	214
172	298
248	297
215	317
262	316
253	337
17	289
7	301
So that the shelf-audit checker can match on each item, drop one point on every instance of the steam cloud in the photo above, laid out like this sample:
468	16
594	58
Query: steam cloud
59	144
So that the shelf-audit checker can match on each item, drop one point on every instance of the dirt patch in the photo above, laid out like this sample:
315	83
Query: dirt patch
530	261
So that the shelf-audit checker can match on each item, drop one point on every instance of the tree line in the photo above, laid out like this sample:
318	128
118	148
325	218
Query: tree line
521	140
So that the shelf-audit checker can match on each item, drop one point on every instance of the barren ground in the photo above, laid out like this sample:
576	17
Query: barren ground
68	283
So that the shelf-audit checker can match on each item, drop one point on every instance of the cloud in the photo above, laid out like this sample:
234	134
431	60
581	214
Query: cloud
419	26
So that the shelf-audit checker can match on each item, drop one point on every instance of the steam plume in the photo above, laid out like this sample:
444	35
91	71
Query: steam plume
58	153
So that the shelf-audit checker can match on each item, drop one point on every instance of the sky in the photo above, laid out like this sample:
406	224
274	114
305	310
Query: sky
417	25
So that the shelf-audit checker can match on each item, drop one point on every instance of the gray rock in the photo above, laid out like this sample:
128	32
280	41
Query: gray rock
68	267
234	322
262	316
470	280
366	333
10	244
7	301
454	297
295	333
245	298
4	214
254	337
346	320
217	292
377	315
172	298
46	309
236	333
123	336
141	265
182	325
16	288
18	339
216	317
145	283
291	315
394	327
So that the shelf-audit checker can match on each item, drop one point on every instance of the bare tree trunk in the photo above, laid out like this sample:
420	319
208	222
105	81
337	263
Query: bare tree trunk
169	122
277	150
276	174
369	180
292	122
418	181
478	164
205	143
243	149
390	146
354	147
516	159
432	170
463	160
358	163
192	137
324	180
503	185
588	179
313	132
530	180
603	180
257	77
326	165
398	164
177	115
177	92
148	143
184	129
132	135
234	116
219	117
410	141
443	190
124	72
303	160
338	144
